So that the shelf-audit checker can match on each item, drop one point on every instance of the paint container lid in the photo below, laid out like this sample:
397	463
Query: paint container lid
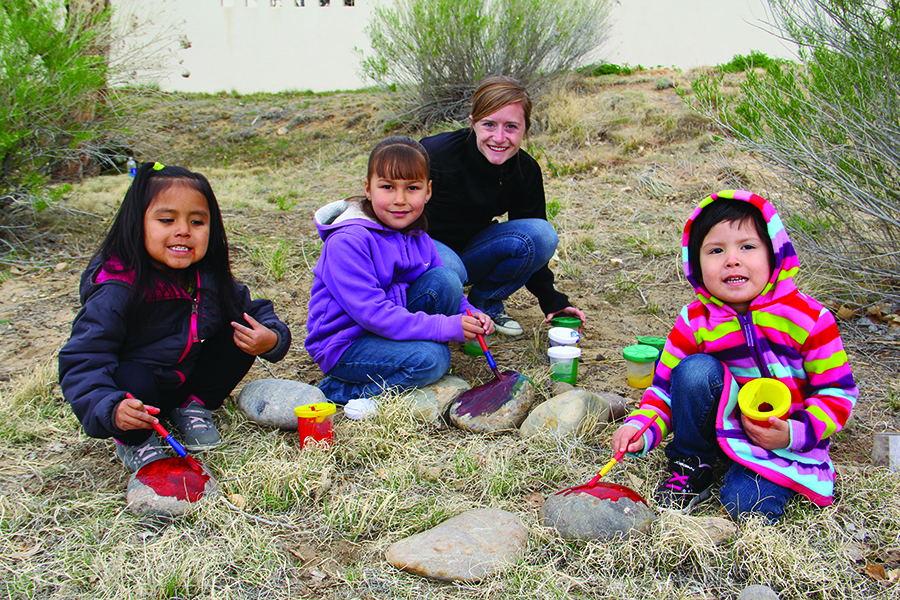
318	410
639	353
570	322
657	342
564	352
564	336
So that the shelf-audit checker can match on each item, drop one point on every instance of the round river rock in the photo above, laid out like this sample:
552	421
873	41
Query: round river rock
271	402
617	512
169	487
468	547
499	405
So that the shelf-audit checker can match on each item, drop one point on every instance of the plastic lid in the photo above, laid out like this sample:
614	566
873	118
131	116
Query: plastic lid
657	342
564	335
570	322
564	352
315	411
639	353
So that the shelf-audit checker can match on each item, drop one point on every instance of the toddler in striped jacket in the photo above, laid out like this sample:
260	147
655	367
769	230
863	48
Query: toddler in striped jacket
749	321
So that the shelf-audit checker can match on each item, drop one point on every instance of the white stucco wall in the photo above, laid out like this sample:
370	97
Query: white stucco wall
260	48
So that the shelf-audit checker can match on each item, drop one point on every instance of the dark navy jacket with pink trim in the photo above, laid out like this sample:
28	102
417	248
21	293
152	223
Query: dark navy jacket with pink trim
173	324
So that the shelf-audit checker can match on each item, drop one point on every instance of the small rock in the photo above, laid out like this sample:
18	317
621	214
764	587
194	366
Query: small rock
271	402
169	487
758	592
469	547
702	530
429	403
557	388
281	131
574	413
494	406
618	406
583	516
60	267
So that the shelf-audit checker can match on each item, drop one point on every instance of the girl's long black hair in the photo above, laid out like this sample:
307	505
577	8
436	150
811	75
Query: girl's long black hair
124	249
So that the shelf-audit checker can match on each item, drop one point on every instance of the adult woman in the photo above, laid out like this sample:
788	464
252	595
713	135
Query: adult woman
480	173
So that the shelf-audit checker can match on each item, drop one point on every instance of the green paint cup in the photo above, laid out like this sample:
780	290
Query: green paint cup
564	363
570	322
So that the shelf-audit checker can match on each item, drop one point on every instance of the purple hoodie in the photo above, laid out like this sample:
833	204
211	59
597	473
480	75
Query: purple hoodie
360	285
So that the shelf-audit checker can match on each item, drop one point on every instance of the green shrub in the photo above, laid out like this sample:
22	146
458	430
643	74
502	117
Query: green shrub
831	126
754	60
596	70
442	48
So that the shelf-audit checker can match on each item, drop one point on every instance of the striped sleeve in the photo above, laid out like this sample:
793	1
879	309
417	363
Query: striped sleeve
830	392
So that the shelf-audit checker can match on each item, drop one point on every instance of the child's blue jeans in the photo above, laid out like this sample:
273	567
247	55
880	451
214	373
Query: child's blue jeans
696	389
501	259
373	364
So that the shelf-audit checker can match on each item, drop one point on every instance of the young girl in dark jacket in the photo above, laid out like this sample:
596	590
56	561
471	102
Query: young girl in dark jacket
165	329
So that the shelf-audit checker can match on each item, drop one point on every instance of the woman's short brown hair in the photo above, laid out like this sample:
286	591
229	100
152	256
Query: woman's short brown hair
497	91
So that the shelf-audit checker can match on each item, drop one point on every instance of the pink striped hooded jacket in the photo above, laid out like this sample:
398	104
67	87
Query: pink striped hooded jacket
786	335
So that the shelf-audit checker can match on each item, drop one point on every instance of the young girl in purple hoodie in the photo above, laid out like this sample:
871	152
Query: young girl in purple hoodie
383	305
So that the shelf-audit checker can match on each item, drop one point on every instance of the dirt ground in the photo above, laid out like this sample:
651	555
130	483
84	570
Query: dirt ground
625	175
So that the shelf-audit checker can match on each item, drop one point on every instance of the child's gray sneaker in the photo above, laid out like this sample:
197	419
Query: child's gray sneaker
135	457
505	324
195	424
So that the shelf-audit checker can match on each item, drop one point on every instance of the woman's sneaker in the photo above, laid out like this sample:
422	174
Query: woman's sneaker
506	325
195	424
135	457
688	485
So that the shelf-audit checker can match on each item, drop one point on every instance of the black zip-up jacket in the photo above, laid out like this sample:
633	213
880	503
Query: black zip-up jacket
468	192
174	324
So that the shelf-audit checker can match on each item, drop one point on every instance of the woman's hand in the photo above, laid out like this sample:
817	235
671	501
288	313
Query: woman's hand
621	437
774	437
569	310
131	414
254	340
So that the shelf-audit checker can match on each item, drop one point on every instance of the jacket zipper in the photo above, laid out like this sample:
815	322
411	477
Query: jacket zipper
194	333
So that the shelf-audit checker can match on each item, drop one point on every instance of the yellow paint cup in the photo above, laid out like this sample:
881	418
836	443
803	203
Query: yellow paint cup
762	398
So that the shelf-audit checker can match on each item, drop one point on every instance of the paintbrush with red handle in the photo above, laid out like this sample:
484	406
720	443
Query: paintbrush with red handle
487	353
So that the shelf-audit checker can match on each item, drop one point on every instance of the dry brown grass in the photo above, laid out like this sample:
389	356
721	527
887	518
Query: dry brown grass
630	162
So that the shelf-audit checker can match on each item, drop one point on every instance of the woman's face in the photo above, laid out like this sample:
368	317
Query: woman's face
499	135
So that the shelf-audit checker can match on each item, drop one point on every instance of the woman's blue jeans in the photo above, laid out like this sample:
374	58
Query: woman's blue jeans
373	364
501	259
696	390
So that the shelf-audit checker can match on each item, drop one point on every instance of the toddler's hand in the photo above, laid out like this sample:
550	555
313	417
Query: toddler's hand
131	414
472	326
254	340
621	437
774	437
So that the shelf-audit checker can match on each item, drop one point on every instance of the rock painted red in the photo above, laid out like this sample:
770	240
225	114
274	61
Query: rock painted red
175	477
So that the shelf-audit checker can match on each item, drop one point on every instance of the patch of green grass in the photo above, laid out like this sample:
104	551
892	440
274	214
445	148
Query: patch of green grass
553	209
621	289
285	201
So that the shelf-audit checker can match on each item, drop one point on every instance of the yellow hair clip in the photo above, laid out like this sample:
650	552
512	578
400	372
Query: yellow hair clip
158	166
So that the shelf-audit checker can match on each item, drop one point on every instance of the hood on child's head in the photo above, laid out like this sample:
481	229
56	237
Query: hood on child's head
782	257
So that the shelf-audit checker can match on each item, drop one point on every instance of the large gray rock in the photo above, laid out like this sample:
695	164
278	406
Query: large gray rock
271	402
169	487
494	406
574	413
618	511
468	547
429	403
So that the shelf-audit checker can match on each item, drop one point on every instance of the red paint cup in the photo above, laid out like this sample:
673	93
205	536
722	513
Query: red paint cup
315	423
